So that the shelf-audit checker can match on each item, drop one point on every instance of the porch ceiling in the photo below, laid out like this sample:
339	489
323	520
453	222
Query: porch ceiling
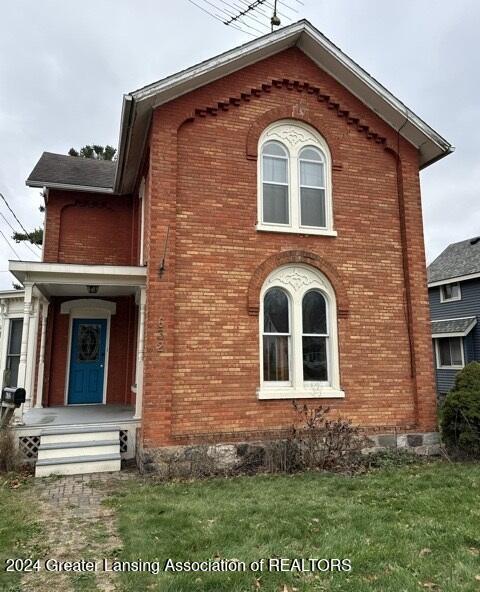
61	279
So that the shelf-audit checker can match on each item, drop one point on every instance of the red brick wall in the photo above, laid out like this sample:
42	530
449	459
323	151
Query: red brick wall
91	228
202	343
121	359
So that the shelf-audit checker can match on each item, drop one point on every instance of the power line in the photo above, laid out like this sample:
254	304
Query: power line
15	216
13	229
8	243
287	6
218	18
282	14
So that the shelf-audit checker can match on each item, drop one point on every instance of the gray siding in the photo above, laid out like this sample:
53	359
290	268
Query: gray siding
468	306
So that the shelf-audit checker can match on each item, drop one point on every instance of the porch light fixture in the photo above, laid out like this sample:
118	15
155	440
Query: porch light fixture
92	289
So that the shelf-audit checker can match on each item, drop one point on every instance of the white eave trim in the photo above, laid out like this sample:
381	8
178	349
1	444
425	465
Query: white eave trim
65	273
68	187
454	280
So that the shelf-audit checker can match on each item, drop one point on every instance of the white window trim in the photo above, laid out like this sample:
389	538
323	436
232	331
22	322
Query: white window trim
455	298
296	281
294	136
437	354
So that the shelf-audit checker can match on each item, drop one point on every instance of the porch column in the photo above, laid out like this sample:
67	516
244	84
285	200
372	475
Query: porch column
41	358
140	352
22	364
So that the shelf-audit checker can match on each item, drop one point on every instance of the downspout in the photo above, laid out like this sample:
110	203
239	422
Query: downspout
405	264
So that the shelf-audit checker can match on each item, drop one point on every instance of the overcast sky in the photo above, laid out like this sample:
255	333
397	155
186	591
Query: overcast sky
64	66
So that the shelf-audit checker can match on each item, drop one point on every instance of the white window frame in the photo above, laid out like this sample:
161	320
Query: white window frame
437	353
454	298
294	136
296	281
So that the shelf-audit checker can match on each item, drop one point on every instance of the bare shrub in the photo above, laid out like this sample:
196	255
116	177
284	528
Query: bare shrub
326	444
8	451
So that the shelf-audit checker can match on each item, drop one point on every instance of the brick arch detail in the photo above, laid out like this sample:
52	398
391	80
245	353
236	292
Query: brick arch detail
293	111
291	257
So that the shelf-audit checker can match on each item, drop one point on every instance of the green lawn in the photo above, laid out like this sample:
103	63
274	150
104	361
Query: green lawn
18	527
407	529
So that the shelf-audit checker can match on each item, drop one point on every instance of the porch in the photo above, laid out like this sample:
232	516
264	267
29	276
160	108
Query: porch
80	341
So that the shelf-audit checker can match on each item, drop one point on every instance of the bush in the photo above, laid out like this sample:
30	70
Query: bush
460	419
327	444
468	378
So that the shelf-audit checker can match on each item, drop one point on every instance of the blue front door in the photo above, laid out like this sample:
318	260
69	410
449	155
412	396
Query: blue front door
87	361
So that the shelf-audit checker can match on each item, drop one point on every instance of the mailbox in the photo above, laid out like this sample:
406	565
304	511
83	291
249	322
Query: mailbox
13	396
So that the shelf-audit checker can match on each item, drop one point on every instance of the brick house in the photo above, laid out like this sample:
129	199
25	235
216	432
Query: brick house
259	239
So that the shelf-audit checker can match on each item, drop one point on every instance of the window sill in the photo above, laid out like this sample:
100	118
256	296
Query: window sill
450	367
290	230
324	392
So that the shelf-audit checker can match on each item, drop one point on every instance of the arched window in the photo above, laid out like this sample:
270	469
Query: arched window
299	344
295	180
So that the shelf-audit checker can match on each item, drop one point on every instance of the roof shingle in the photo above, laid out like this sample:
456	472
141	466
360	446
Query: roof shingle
456	260
61	169
453	326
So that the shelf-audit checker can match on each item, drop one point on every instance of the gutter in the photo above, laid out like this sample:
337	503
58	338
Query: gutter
449	150
124	140
47	185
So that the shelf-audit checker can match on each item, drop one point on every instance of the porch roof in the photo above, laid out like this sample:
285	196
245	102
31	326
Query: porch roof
61	279
453	327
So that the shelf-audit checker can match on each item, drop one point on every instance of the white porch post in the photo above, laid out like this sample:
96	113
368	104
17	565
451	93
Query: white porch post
140	352
41	358
22	365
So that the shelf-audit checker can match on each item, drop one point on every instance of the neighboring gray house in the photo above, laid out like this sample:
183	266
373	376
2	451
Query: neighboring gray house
454	293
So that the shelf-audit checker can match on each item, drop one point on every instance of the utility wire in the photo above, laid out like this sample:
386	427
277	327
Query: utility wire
287	6
282	14
218	18
12	228
15	216
8	243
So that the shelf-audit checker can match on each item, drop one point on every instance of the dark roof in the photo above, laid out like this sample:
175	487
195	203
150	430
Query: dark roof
453	326
61	169
457	259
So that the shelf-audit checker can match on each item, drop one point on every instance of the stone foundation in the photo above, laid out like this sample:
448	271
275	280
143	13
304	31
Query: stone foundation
216	459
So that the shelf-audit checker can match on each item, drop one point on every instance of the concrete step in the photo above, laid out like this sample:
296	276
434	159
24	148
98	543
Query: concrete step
74	449
90	434
77	465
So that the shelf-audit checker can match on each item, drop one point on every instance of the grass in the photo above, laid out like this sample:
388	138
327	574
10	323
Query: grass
404	529
18	527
